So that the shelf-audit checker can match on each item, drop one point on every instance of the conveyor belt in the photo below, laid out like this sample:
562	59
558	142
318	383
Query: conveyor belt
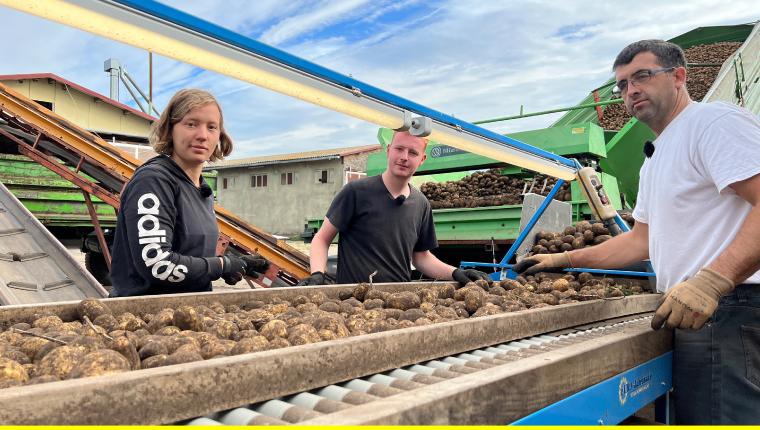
34	266
173	393
102	170
406	395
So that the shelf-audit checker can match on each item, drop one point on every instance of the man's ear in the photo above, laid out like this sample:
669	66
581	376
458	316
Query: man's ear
680	74
424	157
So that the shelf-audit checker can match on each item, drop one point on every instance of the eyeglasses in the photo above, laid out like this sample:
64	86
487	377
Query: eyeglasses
638	78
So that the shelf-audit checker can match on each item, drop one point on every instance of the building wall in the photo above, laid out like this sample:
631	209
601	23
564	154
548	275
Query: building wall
277	208
82	109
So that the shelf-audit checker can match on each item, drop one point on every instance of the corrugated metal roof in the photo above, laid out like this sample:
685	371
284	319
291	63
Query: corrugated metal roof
323	154
78	87
34	266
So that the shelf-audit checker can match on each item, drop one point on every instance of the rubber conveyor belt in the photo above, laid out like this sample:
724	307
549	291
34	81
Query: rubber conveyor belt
507	376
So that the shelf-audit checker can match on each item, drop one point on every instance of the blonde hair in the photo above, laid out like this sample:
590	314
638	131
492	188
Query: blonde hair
181	104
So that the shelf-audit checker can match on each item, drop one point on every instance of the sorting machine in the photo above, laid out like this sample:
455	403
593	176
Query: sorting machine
523	367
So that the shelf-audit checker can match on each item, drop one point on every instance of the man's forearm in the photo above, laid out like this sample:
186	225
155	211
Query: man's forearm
431	266
318	254
742	256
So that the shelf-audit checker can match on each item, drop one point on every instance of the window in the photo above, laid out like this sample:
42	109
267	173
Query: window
286	178
46	105
224	183
258	181
323	176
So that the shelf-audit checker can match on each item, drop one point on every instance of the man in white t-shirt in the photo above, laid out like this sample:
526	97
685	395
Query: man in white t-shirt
698	220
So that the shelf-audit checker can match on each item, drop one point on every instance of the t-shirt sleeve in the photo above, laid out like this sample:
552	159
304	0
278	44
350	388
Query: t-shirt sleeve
640	211
150	214
728	151
343	208
426	239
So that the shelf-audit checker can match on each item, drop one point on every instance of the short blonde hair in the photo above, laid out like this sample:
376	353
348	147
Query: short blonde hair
181	104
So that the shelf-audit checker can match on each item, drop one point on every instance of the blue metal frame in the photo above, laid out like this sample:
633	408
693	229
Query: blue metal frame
252	46
529	226
610	401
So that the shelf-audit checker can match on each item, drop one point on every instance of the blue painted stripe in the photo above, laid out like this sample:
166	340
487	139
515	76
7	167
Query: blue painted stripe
219	33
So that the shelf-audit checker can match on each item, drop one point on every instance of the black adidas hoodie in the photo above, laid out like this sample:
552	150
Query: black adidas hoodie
166	234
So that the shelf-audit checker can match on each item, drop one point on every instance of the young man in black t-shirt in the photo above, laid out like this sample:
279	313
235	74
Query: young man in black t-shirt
384	224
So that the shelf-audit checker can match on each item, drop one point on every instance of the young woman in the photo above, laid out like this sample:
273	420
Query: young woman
166	231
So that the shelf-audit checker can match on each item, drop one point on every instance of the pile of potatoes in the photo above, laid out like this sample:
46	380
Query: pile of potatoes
698	79
489	188
581	235
47	349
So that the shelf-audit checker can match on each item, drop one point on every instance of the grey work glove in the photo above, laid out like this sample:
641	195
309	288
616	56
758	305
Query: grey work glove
543	263
316	278
691	303
464	276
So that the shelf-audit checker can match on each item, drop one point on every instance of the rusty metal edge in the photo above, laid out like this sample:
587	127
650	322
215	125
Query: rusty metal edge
173	393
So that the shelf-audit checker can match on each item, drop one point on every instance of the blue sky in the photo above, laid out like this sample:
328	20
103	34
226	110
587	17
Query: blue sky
472	59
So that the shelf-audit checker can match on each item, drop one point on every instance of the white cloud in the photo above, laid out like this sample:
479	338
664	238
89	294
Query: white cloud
469	58
320	15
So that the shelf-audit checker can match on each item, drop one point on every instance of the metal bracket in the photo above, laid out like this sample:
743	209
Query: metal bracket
419	126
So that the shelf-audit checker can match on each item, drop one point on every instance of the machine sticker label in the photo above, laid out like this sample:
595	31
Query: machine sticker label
634	388
445	151
152	237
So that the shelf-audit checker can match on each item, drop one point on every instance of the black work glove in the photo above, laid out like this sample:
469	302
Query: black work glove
233	269
255	264
316	278
464	276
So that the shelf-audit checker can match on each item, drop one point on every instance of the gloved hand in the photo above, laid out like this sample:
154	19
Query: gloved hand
464	276
691	303
543	263
233	269
316	278
255	264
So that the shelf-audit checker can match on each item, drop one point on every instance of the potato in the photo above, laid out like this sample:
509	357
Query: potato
561	284
60	361
15	354
360	291
100	362
11	373
49	322
126	348
92	308
374	293
187	318
42	379
31	345
599	229
473	300
602	238
330	307
487	309
303	334
152	348
250	344
412	315
318	298
216	348
164	318
279	343
274	329
107	321
154	361
184	354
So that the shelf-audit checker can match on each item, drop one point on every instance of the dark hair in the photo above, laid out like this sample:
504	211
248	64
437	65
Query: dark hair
668	54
